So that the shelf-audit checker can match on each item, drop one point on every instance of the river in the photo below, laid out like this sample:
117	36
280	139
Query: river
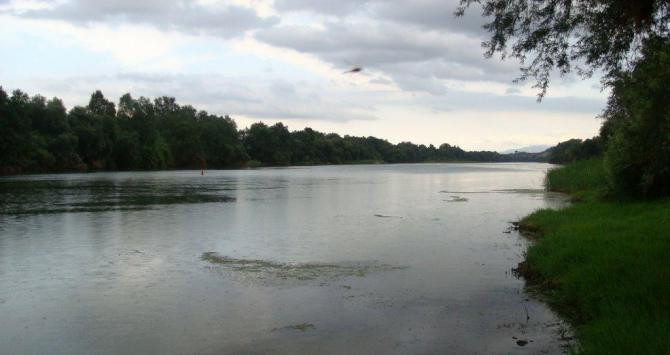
406	259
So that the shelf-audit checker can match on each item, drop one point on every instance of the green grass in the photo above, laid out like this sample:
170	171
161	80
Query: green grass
605	266
581	176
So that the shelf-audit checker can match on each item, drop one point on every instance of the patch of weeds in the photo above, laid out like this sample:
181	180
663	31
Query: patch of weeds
303	327
296	271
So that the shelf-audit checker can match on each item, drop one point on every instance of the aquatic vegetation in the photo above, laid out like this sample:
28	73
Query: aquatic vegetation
497	191
456	199
303	327
149	200
584	175
62	196
70	210
520	191
296	271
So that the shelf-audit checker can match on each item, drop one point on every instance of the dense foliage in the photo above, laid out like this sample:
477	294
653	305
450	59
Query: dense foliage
40	135
637	125
549	35
574	150
630	42
635	135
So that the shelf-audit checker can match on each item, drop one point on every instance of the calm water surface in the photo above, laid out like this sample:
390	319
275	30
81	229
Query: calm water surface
338	259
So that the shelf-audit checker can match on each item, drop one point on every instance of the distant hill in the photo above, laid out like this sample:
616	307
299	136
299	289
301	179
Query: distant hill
538	148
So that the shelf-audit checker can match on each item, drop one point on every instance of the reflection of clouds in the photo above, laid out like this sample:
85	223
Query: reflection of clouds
123	281
135	268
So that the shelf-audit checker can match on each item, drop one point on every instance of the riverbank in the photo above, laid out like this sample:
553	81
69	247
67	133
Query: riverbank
257	165
602	263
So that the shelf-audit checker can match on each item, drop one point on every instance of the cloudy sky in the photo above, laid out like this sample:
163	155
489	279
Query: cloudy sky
424	80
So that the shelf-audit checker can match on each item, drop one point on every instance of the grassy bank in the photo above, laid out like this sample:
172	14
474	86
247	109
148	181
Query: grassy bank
579	177
604	265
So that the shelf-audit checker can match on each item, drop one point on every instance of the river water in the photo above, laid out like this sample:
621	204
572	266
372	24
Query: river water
406	259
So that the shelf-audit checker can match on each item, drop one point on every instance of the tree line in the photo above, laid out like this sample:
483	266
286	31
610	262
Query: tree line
575	149
629	42
41	135
634	139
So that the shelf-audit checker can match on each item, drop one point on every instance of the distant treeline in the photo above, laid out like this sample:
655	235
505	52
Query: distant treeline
575	149
40	135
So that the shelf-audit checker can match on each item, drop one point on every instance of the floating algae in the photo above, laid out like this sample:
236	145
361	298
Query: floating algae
497	191
72	210
121	203
296	271
35	197
303	327
149	200
456	199
520	191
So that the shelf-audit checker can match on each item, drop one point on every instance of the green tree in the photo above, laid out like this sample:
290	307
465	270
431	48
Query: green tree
220	141
548	35
638	124
575	149
101	106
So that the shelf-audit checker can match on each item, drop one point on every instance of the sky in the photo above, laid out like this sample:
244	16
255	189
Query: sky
424	79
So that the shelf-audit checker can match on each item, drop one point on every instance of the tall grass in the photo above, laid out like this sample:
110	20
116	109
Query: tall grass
605	265
583	175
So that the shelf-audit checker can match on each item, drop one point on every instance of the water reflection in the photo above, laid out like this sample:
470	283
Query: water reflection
383	259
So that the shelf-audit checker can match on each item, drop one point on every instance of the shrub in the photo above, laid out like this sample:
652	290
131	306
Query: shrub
637	158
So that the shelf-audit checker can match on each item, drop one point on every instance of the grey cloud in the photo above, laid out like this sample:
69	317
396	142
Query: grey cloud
369	44
415	43
372	44
228	90
282	87
450	68
177	15
413	58
249	96
426	14
498	103
418	44
431	15
414	83
259	98
327	7
381	81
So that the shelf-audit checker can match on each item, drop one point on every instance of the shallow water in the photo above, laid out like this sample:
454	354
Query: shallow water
337	259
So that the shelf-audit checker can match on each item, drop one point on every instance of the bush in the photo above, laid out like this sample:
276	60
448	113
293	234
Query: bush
575	149
580	176
637	158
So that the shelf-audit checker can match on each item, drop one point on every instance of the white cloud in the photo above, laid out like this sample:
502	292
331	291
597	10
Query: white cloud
174	15
284	59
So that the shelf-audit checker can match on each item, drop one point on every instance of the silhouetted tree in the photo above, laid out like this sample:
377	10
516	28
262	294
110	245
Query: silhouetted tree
548	35
637	125
40	135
